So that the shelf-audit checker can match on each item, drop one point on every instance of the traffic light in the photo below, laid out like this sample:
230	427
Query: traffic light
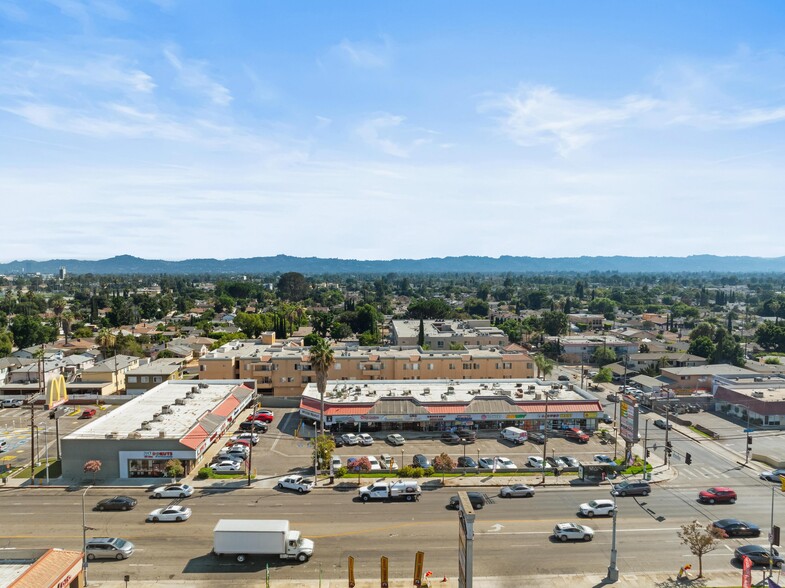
668	448
749	440
775	535
648	453
688	459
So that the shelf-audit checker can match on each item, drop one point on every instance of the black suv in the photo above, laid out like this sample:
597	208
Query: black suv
254	426
449	437
536	437
466	462
467	435
477	500
631	489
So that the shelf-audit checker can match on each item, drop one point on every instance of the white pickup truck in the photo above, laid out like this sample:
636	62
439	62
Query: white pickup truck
406	489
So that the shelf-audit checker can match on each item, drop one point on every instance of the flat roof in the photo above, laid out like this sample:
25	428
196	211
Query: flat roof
455	392
207	396
717	369
434	328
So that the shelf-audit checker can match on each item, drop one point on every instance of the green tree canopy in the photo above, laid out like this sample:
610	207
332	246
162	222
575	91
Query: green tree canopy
603	356
702	347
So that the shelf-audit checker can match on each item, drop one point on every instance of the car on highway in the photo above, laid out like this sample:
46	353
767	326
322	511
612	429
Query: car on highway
597	508
365	439
12	402
536	437
173	491
254	426
570	461
108	548
736	528
759	555
395	439
450	437
516	491
298	483
116	503
773	475
226	466
535	461
717	494
465	461
663	424
350	439
87	413
477	500
573	532
602	458
170	514
420	461
631	488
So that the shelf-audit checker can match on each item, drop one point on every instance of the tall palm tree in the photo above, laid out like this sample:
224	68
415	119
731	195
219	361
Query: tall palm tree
105	340
544	365
322	360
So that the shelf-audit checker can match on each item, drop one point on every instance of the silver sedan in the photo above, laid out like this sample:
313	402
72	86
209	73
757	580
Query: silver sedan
517	491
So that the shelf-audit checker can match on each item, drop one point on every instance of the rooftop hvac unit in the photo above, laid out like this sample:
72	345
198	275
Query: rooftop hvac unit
426	391
179	401
194	389
135	435
757	394
161	434
189	394
166	409
145	426
203	385
110	435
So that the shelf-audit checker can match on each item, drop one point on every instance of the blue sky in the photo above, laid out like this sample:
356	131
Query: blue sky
169	129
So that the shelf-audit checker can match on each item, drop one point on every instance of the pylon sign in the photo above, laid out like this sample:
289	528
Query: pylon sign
56	393
419	558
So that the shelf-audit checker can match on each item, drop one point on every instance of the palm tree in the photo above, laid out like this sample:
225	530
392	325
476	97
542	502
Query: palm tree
105	340
66	320
544	365
321	361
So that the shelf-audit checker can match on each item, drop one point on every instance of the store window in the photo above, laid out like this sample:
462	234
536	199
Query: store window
146	468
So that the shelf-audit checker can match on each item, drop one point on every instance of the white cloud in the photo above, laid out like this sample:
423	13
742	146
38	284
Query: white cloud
191	74
372	129
364	54
540	115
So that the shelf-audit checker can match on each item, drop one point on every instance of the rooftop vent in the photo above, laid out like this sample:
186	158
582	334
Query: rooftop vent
166	409
161	434
189	394
157	417
203	385
180	401
135	435
145	426
426	391
757	393
194	390
111	435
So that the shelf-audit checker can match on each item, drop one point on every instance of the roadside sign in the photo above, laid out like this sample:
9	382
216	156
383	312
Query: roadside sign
418	564
351	572
385	567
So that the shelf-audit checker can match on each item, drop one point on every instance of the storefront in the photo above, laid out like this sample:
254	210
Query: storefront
152	464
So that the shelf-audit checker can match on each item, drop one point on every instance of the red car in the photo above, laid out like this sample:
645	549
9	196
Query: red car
718	494
265	417
88	413
239	442
576	434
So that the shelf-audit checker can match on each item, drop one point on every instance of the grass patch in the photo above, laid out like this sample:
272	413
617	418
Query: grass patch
699	432
55	470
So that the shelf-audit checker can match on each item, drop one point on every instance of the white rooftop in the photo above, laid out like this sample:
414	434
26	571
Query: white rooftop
174	422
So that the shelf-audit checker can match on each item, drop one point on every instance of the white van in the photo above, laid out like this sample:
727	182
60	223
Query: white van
514	434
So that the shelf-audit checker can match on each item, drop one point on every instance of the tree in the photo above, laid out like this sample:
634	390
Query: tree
359	465
66	320
28	330
700	540
106	341
421	333
603	356
432	308
92	466
604	376
174	468
476	307
340	331
293	286
703	329
6	343
555	322
604	306
322	359
323	448
443	463
702	347
544	365
165	354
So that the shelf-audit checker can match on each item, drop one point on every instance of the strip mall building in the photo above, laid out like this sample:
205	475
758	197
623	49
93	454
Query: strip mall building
441	405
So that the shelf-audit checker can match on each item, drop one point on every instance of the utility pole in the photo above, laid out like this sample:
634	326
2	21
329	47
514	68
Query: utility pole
667	428
645	448
545	436
613	569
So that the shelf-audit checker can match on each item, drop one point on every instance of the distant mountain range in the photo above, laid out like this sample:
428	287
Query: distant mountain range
127	264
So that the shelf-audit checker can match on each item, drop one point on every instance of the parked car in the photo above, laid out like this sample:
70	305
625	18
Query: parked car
387	462
466	462
12	402
602	458
420	461
350	439
170	514
476	498
254	426
693	408
573	532
516	490
265	411
262	417
602	507
252	438
298	483
613	397
87	413
736	528
773	475
663	424
336	463
606	418
116	503
536	437
236	457
631	488
173	491
570	461
563	378
467	435
238	442
226	466
3	445
759	555
535	461
375	465
449	437
238	449
577	435
395	439
718	494
556	462
365	439
108	548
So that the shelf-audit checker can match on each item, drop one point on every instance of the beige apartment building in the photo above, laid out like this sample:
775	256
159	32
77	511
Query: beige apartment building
285	370
440	334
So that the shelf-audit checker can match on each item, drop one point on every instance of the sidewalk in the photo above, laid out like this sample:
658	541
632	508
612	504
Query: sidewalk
638	580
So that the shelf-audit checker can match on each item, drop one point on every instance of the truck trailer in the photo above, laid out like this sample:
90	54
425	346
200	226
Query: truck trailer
243	537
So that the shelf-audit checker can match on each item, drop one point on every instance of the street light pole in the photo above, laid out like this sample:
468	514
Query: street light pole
613	570
85	528
667	427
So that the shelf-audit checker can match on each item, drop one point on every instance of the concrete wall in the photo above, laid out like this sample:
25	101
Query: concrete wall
76	452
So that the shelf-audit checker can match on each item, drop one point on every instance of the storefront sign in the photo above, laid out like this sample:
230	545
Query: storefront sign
70	575
590	415
515	417
157	455
565	415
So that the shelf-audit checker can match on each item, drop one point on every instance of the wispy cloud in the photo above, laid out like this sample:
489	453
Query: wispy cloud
383	132
369	55
540	115
192	74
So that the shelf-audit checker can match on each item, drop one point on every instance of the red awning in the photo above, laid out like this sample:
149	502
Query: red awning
449	409
195	437
226	407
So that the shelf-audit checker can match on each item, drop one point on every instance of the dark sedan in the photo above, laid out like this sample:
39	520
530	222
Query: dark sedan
467	462
254	426
736	528
536	437
759	555
116	503
476	499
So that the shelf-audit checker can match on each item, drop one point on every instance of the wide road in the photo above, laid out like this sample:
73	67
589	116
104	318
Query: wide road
513	535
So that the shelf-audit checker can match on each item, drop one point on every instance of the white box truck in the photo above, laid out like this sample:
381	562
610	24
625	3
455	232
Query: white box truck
514	434
406	489
243	537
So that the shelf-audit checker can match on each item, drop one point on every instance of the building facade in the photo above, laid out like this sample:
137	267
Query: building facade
442	334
